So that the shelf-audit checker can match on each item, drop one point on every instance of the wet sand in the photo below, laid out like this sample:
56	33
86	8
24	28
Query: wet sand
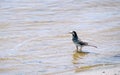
110	70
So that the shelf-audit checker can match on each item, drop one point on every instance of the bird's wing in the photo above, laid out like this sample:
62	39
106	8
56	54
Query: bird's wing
83	43
86	43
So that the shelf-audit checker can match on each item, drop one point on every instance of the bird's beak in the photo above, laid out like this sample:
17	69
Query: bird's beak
70	32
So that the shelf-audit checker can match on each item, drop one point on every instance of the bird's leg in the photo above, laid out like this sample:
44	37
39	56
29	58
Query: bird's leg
80	48
76	48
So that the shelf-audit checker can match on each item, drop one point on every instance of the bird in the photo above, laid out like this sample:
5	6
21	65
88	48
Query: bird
78	42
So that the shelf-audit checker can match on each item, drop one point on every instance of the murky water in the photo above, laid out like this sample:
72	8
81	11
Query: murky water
34	37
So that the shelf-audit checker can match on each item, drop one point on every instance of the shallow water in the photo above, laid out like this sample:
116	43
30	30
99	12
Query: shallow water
34	37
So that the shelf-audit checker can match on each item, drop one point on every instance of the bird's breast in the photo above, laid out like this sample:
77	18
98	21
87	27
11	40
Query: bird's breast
76	42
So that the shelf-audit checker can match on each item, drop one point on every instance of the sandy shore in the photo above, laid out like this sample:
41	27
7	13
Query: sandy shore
102	70
109	70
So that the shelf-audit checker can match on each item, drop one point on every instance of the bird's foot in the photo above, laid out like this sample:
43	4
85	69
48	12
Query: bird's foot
78	51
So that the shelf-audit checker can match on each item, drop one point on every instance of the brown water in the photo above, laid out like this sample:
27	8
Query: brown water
34	37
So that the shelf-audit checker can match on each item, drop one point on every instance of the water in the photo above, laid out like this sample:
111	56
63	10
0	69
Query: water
34	37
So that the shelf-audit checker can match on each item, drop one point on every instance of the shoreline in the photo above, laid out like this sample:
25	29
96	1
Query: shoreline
107	70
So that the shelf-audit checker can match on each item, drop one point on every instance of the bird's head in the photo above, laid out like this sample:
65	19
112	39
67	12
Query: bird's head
74	34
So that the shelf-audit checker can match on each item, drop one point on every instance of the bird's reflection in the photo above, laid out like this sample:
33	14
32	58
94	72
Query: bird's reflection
78	55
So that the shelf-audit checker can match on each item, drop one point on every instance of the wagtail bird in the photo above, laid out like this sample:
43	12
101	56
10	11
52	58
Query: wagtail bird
78	42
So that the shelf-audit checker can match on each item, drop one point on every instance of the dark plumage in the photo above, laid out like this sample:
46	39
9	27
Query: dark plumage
78	42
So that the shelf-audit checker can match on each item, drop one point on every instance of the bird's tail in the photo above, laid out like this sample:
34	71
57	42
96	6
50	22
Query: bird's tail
92	46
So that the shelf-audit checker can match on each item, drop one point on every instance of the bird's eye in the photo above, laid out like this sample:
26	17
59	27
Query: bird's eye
73	33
